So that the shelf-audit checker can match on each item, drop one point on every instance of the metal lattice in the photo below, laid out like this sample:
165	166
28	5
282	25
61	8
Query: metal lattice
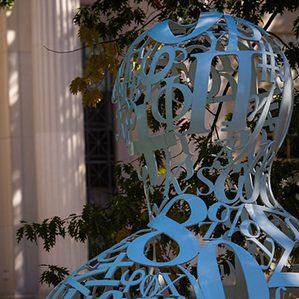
99	149
179	75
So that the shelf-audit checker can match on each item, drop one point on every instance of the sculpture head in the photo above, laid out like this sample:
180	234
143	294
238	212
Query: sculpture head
222	78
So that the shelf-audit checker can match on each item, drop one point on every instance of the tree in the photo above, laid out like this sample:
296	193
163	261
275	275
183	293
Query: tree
6	4
106	28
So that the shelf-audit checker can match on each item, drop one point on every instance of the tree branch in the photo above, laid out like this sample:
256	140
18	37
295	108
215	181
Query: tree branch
271	19
103	42
81	48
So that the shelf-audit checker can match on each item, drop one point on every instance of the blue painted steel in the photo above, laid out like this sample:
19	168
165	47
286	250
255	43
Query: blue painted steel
218	60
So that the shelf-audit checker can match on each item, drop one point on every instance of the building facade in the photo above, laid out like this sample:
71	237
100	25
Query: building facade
43	160
42	167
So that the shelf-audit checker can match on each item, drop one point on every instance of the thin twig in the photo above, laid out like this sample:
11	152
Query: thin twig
210	111
288	47
63	52
81	48
103	42
217	114
149	21
269	22
282	41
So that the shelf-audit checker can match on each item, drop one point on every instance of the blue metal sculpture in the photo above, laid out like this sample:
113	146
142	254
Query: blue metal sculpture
179	75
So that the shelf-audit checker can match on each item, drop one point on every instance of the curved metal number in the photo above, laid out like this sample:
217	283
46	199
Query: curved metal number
236	240
176	231
209	276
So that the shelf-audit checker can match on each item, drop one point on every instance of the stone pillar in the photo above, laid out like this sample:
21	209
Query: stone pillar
58	122
7	279
19	267
42	171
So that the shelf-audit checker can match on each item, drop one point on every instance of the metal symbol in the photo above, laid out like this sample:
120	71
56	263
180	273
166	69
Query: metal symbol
186	71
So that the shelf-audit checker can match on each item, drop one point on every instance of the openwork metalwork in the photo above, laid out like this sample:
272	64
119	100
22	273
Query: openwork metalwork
225	79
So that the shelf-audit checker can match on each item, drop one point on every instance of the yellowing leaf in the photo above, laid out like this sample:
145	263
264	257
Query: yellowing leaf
121	234
92	97
136	66
88	35
161	170
77	85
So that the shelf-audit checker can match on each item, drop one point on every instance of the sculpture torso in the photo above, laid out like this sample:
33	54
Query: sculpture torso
221	81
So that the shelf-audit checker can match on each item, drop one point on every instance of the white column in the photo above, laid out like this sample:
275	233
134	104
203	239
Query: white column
19	267
58	123
42	171
7	277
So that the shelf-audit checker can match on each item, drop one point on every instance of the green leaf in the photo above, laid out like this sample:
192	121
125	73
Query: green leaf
77	85
228	116
53	275
88	35
6	4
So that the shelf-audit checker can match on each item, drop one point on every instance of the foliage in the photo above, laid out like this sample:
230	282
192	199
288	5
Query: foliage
285	171
102	60
106	28
101	226
6	4
53	275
